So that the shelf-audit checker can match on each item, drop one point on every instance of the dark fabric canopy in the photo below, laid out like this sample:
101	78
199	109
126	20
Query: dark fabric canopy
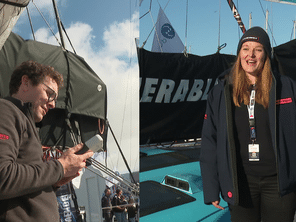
87	92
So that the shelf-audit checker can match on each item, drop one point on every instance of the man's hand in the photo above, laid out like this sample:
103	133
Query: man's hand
72	162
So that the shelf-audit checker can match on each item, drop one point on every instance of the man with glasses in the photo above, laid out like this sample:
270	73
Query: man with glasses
26	182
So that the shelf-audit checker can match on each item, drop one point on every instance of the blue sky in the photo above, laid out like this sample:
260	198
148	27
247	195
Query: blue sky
203	22
103	33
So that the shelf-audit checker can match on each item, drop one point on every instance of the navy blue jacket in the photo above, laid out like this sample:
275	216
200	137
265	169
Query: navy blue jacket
218	152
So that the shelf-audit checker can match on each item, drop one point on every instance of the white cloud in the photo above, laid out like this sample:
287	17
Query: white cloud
119	37
116	64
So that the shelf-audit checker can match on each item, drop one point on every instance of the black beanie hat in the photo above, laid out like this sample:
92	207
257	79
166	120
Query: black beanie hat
256	34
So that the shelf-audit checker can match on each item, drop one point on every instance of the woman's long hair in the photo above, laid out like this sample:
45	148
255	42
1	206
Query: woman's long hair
242	85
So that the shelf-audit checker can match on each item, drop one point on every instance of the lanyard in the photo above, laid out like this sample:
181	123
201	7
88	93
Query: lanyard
251	110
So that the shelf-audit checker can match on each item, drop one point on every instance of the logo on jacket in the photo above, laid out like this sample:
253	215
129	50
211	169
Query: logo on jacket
283	101
206	116
3	137
229	194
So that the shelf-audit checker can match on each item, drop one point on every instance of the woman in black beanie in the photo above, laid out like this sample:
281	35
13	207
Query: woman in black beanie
248	153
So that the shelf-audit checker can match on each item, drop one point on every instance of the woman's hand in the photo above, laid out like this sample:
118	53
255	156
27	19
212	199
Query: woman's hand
216	204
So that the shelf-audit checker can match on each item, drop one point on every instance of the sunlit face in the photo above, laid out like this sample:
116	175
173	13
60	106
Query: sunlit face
252	57
40	96
108	193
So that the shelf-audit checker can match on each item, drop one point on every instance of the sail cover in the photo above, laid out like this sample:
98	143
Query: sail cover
173	93
10	11
82	100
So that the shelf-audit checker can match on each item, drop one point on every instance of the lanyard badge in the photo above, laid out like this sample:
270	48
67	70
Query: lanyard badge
253	152
252	148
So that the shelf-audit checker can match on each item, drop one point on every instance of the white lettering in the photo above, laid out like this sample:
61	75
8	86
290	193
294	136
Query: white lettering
67	213
196	92
165	91
181	91
148	89
66	204
205	95
64	198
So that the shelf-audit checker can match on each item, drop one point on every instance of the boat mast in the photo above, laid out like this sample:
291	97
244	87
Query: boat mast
236	15
58	23
294	28
266	21
250	20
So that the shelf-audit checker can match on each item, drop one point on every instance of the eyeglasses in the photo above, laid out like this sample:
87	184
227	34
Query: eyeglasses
52	96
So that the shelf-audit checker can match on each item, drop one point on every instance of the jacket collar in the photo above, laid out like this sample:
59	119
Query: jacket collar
26	108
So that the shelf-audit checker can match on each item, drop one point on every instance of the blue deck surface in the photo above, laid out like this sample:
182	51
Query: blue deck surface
192	211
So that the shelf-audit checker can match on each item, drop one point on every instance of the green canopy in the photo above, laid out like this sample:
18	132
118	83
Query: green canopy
84	92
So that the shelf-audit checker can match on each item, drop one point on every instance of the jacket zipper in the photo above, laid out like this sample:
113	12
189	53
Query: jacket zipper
231	144
275	138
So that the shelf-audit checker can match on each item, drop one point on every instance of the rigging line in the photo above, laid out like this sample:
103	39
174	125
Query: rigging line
107	153
58	20
121	153
47	23
130	70
68	37
110	173
107	170
219	29
292	33
153	22
144	15
31	25
158	40
123	205
148	10
127	88
123	188
156	33
136	163
267	23
185	50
